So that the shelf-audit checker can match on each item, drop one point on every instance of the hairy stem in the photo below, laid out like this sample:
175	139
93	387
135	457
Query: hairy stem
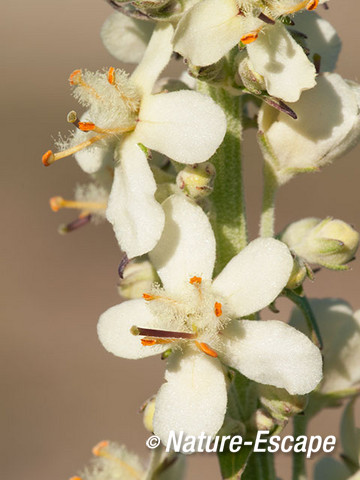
228	216
299	469
267	221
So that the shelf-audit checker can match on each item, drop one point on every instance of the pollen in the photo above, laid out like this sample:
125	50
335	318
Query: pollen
86	126
195	280
147	342
97	450
204	347
148	297
218	309
249	38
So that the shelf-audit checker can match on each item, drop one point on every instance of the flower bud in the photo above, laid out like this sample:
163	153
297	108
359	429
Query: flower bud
148	414
262	420
327	126
214	73
252	80
138	277
197	180
298	274
331	243
156	8
279	403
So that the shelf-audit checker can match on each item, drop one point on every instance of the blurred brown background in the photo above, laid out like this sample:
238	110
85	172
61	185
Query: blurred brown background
61	391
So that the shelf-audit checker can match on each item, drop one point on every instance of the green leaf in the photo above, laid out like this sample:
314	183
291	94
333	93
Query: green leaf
233	464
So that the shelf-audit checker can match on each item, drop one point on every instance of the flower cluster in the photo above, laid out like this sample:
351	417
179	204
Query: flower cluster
164	160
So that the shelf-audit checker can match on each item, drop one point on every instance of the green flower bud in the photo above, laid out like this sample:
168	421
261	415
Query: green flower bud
298	274
156	8
214	73
279	403
331	243
197	180
252	80
138	277
262	420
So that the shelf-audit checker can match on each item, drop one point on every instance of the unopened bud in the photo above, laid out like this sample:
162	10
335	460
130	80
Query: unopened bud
252	80
214	73
331	243
197	180
298	274
138	277
148	414
262	420
156	8
279	403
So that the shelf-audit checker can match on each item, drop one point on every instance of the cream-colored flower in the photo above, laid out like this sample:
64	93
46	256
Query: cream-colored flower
124	115
197	318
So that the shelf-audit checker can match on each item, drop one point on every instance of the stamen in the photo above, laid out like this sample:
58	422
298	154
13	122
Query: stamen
75	478
249	38
49	157
58	202
218	309
111	75
266	19
75	224
86	126
150	332
99	447
148	298
312	5
195	280
75	77
204	347
149	341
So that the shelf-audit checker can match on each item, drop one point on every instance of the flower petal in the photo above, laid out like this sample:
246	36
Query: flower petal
126	38
256	276
340	331
328	125
273	353
193	400
186	126
282	62
136	216
210	29
114	330
322	38
155	59
187	245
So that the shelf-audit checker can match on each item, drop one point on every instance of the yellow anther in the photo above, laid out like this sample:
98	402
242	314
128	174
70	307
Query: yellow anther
75	77
195	280
111	75
249	37
218	309
97	450
204	347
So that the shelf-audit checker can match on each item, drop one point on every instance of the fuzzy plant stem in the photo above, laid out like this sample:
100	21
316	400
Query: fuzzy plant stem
228	215
267	221
298	466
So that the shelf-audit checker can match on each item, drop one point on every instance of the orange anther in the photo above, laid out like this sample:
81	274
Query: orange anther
196	280
46	158
111	75
75	77
99	446
218	309
86	126
75	478
204	347
312	5
148	297
249	38
148	342
55	203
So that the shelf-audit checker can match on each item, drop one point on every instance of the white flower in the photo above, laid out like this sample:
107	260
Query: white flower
328	125
211	28
197	319
185	126
340	331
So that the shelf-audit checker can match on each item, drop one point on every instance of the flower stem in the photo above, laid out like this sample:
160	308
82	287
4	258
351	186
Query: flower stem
228	215
260	467
299	469
267	222
304	305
